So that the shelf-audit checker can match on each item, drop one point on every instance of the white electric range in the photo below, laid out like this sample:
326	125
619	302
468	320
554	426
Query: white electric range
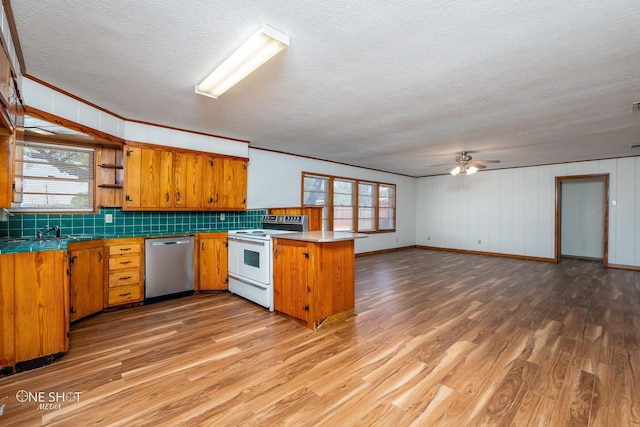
251	257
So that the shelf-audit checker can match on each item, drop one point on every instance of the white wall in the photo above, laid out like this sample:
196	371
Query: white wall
51	101
275	180
511	211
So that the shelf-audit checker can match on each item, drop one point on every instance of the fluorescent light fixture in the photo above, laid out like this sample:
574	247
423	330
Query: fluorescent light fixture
258	49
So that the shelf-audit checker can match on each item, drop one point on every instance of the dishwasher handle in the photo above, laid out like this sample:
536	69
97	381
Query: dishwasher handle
172	242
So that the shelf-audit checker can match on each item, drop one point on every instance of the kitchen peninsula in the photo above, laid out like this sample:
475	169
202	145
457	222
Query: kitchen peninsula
314	276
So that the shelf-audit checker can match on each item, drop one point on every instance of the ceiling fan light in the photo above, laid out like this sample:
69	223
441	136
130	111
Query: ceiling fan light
455	171
471	170
257	50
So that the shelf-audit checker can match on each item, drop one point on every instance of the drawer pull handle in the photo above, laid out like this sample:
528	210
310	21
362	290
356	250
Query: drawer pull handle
125	278
125	262
124	295
125	249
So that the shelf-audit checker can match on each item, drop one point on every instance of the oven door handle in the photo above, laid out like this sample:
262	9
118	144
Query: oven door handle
249	281
252	242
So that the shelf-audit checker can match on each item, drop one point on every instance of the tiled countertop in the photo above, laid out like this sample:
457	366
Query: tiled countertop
14	245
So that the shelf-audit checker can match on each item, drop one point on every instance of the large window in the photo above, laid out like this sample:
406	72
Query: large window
343	205
315	192
53	178
349	204
367	195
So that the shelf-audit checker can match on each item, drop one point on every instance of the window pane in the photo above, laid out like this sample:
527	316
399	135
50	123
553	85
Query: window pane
366	206
386	210
343	205
54	178
316	193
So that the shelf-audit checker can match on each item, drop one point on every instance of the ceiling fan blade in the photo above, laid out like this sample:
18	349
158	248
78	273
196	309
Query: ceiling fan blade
487	161
444	164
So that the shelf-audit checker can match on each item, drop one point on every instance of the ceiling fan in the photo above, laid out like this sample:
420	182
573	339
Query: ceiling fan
464	162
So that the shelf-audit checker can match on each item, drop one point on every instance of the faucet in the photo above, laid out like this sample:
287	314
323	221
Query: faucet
47	229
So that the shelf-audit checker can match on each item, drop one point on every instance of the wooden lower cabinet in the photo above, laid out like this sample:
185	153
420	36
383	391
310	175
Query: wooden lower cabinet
35	308
211	262
124	274
314	282
7	313
86	262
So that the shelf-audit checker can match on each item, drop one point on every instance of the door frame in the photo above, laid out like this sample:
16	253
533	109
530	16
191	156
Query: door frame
605	205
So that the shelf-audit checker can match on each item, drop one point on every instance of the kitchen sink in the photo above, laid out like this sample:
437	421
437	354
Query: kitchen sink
45	239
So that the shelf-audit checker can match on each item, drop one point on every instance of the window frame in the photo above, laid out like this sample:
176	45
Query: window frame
328	222
62	145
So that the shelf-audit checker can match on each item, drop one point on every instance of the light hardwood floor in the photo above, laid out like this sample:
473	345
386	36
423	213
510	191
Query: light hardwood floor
440	339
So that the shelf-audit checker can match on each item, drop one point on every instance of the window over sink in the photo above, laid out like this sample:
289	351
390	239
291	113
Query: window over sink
53	178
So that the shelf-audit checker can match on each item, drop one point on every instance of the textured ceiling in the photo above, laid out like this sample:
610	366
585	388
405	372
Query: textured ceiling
393	85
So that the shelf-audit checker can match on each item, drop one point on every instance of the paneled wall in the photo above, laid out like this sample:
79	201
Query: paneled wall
512	211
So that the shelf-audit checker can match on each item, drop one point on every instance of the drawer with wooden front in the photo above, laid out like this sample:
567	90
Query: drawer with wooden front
124	277
124	280
127	261
124	294
125	249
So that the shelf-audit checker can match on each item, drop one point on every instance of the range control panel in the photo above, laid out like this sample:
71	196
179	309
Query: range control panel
296	220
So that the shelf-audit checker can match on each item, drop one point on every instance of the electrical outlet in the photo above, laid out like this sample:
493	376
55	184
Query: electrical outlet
479	241
222	217
428	237
108	218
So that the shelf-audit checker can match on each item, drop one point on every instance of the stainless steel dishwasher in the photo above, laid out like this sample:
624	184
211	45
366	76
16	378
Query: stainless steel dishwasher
168	267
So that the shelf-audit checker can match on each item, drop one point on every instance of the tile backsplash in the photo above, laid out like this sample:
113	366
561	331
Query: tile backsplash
27	225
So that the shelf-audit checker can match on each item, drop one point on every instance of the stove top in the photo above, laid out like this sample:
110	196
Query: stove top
274	224
261	234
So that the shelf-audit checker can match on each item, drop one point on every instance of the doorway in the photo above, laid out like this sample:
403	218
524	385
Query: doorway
582	217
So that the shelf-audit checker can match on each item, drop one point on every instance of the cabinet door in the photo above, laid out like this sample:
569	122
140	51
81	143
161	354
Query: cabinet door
188	171
209	183
132	177
156	173
42	304
150	178
7	334
86	284
212	266
6	170
290	285
166	179
232	184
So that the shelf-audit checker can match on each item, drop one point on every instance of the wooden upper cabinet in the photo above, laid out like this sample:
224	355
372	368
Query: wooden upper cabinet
162	179
232	184
132	177
148	178
5	77
7	145
189	176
